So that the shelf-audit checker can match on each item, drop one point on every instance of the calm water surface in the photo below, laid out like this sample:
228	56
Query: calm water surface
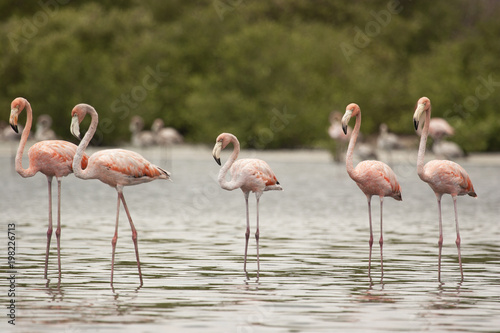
314	253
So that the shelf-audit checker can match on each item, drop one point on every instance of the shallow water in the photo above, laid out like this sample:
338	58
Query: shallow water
313	245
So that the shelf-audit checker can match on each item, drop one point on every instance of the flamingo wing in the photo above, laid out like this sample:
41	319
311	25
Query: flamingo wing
377	178
54	157
253	175
124	167
448	177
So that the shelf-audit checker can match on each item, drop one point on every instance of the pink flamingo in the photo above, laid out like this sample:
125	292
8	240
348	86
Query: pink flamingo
442	176
115	167
53	158
249	175
372	177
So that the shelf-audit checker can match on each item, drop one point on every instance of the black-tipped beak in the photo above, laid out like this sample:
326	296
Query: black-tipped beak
415	123
217	160
14	127
344	128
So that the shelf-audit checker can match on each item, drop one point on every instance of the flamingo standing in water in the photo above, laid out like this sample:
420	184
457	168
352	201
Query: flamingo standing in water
442	176
372	177
53	158
115	167
249	175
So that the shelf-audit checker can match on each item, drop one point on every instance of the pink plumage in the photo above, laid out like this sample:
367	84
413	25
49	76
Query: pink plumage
444	177
372	177
249	175
115	167
53	158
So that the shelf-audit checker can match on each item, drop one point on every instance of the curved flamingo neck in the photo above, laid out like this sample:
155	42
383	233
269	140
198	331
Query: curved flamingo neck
80	151
423	143
352	143
24	138
229	185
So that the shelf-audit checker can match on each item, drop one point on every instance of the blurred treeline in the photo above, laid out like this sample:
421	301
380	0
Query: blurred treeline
270	71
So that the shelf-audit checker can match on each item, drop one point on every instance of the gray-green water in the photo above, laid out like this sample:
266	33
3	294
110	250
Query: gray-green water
314	253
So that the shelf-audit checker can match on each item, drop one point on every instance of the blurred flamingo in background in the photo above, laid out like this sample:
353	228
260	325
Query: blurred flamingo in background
165	137
249	175
372	177
439	130
115	167
43	128
140	138
336	133
442	176
53	158
387	141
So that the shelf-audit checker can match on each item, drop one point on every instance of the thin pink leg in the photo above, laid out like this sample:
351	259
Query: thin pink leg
134	233
247	234
115	238
49	229
440	241
257	195
370	241
381	240
458	237
58	228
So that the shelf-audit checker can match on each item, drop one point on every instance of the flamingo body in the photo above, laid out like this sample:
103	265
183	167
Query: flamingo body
376	178
252	175
443	176
115	167
249	175
372	177
53	158
122	167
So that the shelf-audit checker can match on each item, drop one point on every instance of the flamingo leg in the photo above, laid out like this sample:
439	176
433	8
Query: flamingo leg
58	228
134	233
440	241
458	237
381	240
115	238
247	233
370	241
257	195
49	229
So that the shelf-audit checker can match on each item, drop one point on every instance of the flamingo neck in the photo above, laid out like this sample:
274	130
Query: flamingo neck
423	143
229	185
24	138
80	151
350	148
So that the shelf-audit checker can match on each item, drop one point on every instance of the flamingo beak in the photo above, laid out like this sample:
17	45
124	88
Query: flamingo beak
75	127
416	116
216	151
13	119
345	120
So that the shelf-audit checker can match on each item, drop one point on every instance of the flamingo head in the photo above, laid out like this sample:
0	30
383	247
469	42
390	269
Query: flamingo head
350	111
136	124
77	114
16	107
423	104
220	143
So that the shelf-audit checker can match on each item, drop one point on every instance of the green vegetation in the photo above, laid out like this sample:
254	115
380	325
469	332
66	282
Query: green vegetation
270	71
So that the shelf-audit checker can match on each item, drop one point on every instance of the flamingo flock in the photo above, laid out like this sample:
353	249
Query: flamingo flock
119	168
